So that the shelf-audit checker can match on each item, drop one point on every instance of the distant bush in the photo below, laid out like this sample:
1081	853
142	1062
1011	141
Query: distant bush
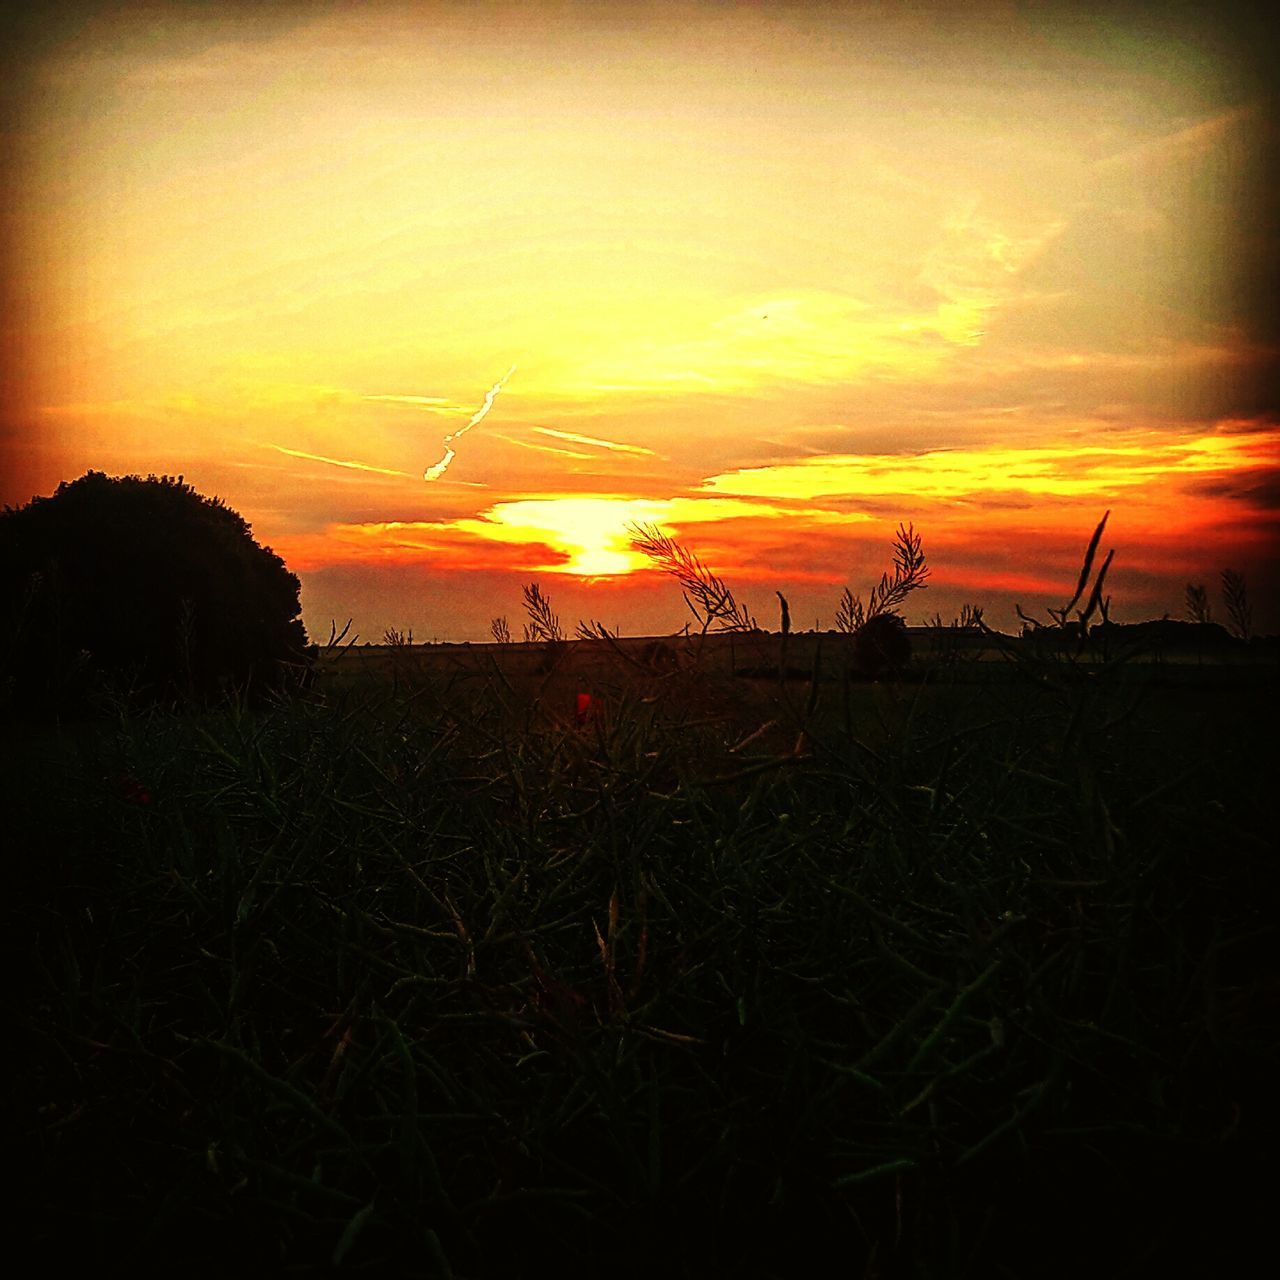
881	645
146	582
660	658
1160	634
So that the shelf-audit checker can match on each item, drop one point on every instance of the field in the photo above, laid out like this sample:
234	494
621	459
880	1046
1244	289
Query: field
438	970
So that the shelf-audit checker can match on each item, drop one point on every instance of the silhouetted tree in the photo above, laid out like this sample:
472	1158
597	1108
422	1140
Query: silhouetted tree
144	580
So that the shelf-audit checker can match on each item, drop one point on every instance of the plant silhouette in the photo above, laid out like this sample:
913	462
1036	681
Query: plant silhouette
145	581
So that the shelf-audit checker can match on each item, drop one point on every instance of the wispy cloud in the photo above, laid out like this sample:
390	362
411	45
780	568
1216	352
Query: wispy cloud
337	462
1181	144
543	448
573	438
432	404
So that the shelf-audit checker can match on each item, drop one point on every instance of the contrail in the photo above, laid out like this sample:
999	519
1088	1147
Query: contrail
336	462
432	404
544	448
574	438
436	471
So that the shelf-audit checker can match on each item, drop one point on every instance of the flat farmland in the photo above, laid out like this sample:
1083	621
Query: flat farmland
435	970
744	681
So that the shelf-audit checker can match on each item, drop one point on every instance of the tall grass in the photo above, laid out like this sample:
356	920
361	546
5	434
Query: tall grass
428	981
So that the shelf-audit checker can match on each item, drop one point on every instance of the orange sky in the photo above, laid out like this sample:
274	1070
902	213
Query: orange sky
774	278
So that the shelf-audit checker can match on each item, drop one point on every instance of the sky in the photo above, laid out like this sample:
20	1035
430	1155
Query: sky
442	298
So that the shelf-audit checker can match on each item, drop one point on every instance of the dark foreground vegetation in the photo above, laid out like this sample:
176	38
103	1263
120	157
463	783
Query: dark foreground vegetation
428	978
144	581
517	966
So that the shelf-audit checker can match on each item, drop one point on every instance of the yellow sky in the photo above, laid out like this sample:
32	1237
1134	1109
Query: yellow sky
775	278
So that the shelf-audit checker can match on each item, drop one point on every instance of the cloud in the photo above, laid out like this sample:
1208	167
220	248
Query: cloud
542	448
582	534
573	438
1179	146
1259	488
1060	472
802	339
336	462
436	470
972	268
593	532
431	404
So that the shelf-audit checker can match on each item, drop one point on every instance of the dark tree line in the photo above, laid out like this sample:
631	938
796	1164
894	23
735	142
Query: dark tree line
143	583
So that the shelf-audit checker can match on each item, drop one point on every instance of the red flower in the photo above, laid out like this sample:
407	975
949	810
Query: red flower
582	710
131	791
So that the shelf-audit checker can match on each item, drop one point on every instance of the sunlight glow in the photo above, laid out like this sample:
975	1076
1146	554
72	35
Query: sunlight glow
586	537
776	277
591	532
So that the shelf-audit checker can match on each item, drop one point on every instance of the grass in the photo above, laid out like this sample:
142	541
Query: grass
422	979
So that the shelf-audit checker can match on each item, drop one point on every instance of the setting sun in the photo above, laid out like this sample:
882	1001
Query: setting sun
639	636
589	532
443	296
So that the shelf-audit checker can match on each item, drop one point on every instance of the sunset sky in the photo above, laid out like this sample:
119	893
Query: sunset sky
773	277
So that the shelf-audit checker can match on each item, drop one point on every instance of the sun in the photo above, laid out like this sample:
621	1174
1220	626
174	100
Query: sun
591	532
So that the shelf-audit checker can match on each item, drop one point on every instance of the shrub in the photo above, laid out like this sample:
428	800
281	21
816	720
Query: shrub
145	582
881	645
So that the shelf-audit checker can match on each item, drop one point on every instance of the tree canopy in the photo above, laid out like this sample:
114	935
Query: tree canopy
144	580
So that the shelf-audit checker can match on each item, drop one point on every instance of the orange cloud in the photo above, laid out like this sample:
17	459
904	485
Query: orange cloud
583	535
1075	471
